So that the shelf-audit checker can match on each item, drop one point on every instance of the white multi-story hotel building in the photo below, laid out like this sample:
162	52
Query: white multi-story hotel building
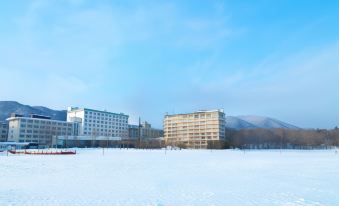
37	129
194	129
99	123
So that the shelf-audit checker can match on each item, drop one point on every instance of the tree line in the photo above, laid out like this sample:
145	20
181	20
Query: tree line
260	138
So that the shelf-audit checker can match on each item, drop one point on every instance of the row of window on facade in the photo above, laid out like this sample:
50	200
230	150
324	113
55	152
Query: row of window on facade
41	126
191	139
39	136
105	114
106	123
44	122
106	119
41	131
106	131
35	140
193	123
196	116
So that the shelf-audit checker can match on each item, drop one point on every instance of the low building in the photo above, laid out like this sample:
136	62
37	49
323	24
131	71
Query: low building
146	131
194	130
37	129
133	131
16	145
3	131
86	141
99	123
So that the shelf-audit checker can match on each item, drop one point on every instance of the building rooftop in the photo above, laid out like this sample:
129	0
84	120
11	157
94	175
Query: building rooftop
72	109
199	111
38	117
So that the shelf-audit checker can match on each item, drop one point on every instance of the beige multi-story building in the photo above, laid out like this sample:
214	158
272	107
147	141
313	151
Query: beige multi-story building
194	130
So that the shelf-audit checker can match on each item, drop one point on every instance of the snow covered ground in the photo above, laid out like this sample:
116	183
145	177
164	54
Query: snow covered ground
186	177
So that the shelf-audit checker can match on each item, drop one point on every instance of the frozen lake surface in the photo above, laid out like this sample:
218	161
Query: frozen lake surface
185	177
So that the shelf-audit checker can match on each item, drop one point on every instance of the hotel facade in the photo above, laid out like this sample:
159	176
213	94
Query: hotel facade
37	129
3	131
194	130
99	123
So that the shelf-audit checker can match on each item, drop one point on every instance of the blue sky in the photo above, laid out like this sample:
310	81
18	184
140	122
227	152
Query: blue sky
146	58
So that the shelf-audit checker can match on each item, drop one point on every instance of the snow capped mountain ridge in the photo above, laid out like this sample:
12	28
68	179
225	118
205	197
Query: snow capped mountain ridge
253	121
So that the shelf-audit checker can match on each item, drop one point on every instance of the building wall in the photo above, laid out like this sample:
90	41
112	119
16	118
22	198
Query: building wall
194	129
3	131
151	133
99	123
133	131
41	131
146	131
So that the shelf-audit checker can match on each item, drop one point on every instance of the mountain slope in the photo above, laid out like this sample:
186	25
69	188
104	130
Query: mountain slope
8	107
236	123
266	122
252	121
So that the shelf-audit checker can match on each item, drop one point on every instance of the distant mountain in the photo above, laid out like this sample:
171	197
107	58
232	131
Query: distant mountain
251	121
237	123
8	107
